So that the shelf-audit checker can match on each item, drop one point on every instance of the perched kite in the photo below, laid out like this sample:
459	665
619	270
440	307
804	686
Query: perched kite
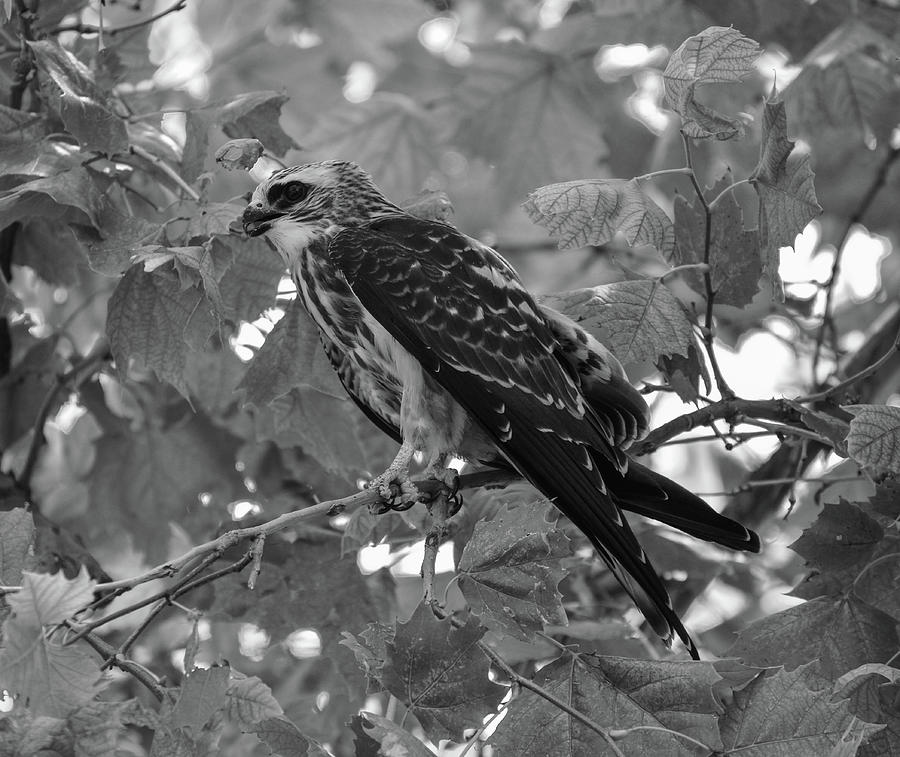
435	338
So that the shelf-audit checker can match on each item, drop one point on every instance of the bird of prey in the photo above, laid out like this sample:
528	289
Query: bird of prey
433	335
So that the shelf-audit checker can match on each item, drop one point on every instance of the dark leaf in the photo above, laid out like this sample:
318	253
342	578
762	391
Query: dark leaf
684	373
843	536
16	537
509	571
111	245
379	737
438	671
71	91
72	196
52	251
284	738
202	695
250	702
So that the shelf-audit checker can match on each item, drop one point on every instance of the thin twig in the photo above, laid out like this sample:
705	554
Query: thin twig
256	553
137	671
167	170
433	540
90	29
24	66
708	332
855	218
80	372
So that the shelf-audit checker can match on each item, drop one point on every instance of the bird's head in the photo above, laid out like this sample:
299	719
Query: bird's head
296	206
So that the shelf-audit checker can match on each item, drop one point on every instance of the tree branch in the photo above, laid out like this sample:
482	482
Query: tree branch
91	29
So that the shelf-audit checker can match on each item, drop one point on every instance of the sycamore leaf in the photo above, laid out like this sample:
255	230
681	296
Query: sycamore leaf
874	438
212	218
515	95
840	633
250	701
843	536
147	477
886	499
380	737
718	54
509	571
152	319
249	281
735	264
684	373
72	93
785	714
390	135
370	650
787	198
111	245
72	196
16	538
291	357
50	678
437	671
202	695
284	738
620	693
636	320
593	212
51	250
212	376
97	726
872	698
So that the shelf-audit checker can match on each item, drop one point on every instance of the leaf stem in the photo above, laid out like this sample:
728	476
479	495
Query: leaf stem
702	267
729	188
167	170
621	733
684	171
708	332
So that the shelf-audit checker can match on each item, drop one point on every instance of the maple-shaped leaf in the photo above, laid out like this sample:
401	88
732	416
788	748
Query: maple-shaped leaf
146	477
239	154
151	319
111	244
843	536
716	55
252	115
250	701
172	740
50	678
872	696
637	320
874	438
52	251
620	693
250	273
370	650
73	196
787	198
734	260
440	674
785	713
212	376
379	737
886	499
192	264
594	211
16	537
212	218
513	95
203	693
97	727
509	570
284	738
72	92
841	633
390	135
291	357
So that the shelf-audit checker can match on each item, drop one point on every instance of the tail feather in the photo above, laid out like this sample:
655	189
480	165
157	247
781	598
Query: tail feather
652	495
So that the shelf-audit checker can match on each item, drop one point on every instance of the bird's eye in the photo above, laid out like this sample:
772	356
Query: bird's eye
295	191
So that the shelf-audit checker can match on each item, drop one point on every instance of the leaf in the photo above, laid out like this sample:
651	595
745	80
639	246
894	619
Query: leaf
684	373
146	477
71	91
151	318
51	251
202	695
509	571
380	737
390	135
872	697
843	536
840	633
239	154
787	198
250	279
735	264
620	693
874	438
283	737
250	702
718	54
49	678
110	246
16	538
255	115
97	726
72	197
437	671
291	357
593	212
785	714
637	320
514	95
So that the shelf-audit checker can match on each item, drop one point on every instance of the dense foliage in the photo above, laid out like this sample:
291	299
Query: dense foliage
184	543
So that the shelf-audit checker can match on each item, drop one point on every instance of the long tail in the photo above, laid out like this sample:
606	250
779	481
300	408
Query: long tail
652	495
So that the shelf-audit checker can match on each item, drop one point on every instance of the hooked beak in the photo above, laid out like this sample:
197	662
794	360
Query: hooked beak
257	220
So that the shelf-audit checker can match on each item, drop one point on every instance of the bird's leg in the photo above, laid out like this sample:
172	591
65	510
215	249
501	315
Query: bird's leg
448	477
397	473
